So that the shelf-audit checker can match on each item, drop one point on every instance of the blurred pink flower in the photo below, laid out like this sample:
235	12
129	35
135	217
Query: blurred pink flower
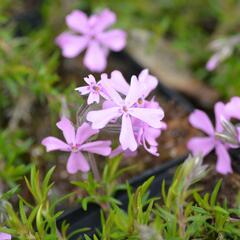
213	62
127	109
204	145
5	236
94	89
91	33
233	108
76	144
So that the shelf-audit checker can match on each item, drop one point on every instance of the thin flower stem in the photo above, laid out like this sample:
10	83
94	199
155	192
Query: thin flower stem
80	114
94	167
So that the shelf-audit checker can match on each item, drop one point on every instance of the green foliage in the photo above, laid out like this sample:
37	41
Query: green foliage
35	220
13	151
102	191
181	214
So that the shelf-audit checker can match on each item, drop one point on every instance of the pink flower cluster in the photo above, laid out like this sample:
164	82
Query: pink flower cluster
91	33
222	137
139	120
5	236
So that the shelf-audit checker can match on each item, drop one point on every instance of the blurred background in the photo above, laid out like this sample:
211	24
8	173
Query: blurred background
174	39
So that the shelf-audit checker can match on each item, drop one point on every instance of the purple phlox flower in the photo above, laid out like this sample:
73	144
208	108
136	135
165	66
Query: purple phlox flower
94	89
126	154
222	48
126	109
233	108
218	57
204	145
147	82
91	33
5	236
147	135
76	144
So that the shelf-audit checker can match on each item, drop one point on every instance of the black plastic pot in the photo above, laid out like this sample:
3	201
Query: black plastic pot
77	218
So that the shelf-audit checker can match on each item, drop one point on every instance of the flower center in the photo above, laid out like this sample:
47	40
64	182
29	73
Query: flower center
140	101
96	88
125	109
74	148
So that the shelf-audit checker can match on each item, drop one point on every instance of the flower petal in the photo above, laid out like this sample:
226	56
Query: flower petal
151	134
93	97
5	236
77	162
77	21
118	150
148	81
98	147
71	44
201	145
84	132
213	62
233	108
127	138
104	20
200	120
224	161
90	79
219	110
100	118
113	39
52	144
134	92
96	57
112	93
119	83
150	116
68	130
83	90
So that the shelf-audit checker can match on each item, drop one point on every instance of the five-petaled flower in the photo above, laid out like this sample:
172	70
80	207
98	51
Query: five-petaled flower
127	109
91	34
204	145
94	89
5	236
76	144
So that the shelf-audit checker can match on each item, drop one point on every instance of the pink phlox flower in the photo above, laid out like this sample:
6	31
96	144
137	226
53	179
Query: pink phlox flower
126	109
204	145
91	33
76	144
146	81
5	236
126	154
147	135
94	90
232	110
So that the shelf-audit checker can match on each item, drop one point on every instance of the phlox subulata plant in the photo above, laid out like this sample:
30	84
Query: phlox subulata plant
128	109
